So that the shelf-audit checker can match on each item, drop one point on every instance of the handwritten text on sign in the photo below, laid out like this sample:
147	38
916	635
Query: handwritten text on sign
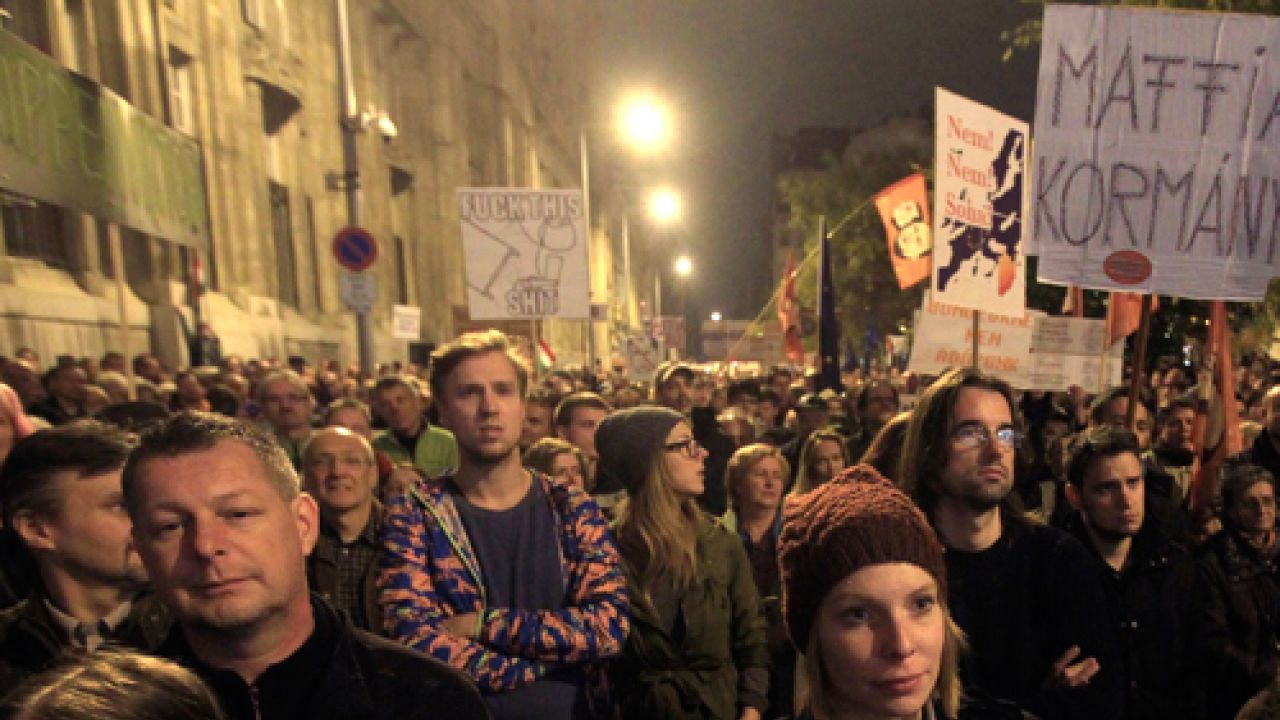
1157	166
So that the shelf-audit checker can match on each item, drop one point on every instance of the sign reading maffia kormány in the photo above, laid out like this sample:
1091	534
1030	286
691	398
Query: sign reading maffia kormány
1157	156
526	253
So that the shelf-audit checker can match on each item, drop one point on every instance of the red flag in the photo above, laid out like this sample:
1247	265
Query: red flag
789	313
904	209
1205	481
1124	313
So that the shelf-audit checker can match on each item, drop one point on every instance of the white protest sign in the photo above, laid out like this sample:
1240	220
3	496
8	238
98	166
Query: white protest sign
406	322
1157	145
526	253
1033	352
978	199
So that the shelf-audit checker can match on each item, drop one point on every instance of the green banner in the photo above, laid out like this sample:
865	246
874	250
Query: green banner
68	141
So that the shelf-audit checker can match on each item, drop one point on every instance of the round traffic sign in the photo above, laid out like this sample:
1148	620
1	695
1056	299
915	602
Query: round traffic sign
355	249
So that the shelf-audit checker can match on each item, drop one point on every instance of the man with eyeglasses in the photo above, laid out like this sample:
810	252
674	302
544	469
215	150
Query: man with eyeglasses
340	471
286	406
1026	595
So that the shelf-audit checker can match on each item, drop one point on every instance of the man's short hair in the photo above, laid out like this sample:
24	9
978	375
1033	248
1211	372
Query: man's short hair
276	376
346	404
927	446
1098	443
449	356
769	395
864	394
1098	409
387	382
1168	411
193	431
748	387
338	431
85	447
544	397
1236	483
571	403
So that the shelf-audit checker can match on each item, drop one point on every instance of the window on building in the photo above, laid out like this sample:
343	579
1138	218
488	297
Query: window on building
33	230
282	235
402	270
181	96
78	38
255	13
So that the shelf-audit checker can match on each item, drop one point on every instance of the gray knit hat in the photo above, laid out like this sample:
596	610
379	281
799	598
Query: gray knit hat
627	439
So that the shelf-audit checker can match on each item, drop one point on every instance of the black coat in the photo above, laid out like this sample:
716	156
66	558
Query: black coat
1237	599
1150	611
350	675
706	430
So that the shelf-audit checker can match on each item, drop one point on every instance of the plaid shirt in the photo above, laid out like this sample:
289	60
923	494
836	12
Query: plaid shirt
354	562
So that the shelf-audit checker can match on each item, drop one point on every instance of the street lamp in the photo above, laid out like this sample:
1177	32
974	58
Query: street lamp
664	206
684	266
645	123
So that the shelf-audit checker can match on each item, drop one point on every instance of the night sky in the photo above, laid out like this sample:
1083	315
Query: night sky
736	71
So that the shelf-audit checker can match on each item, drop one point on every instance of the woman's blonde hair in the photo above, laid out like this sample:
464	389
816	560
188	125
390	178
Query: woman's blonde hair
658	530
805	481
744	460
813	681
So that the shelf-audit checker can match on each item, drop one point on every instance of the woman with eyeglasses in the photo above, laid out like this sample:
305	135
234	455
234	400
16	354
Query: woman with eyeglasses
697	646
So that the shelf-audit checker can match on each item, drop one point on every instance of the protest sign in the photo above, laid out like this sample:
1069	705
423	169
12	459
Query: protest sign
904	209
526	253
1156	152
978	207
1032	352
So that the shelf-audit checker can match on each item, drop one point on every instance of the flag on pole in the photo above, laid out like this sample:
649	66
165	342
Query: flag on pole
546	358
904	210
1204	483
1124	312
828	327
789	313
1073	303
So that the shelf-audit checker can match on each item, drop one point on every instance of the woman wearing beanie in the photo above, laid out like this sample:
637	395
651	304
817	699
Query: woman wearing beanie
865	601
697	644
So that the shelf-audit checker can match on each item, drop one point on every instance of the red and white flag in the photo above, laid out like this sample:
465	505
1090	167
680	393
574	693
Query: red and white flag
789	313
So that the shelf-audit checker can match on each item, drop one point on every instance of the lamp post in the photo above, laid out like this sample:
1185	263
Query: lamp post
683	268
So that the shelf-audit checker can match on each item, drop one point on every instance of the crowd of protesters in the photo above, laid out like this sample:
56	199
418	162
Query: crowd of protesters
255	539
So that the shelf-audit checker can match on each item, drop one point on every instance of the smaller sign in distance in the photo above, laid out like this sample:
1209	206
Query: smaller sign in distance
358	290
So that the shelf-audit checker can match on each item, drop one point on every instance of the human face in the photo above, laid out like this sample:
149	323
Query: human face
881	632
401	408
881	405
581	430
1254	512
565	467
828	460
811	419
339	471
979	477
1111	499
1051	432
537	424
1118	412
1272	404
69	384
286	406
763	484
767	411
676	393
1175	433
226	551
685	470
481	403
90	535
352	419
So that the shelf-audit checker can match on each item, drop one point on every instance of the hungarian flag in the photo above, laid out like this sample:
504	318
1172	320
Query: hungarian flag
546	358
789	313
904	209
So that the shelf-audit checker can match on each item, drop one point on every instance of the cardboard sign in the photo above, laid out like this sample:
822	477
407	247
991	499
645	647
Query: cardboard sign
904	210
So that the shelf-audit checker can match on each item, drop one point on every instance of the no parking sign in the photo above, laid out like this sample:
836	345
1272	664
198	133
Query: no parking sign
355	249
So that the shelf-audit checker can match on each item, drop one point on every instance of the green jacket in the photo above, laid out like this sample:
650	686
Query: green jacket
717	661
436	453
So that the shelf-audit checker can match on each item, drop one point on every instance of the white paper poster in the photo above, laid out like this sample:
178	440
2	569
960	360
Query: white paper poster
526	253
1157	152
979	197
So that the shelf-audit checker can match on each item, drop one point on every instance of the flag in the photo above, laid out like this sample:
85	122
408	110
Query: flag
546	358
789	313
1073	303
1124	313
195	281
904	210
1204	483
828	328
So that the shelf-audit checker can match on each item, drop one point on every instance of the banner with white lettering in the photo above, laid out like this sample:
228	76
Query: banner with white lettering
1031	352
1157	146
526	253
978	199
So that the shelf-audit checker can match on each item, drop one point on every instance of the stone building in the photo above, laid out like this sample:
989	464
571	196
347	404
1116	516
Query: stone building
230	156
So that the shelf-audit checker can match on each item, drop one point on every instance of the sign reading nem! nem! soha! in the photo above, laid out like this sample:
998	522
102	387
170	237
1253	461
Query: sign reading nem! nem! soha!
1157	156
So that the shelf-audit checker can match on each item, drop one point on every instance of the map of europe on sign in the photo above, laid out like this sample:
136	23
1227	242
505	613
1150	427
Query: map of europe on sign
980	156
1157	158
526	253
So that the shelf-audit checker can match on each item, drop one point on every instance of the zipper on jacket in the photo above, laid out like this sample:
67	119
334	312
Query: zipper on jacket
253	699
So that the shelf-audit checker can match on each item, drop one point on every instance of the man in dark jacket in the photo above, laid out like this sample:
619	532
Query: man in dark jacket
221	525
64	515
1146	578
1265	451
339	470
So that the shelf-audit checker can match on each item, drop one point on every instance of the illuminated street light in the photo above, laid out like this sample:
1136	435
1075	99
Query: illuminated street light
664	206
645	123
716	316
684	266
